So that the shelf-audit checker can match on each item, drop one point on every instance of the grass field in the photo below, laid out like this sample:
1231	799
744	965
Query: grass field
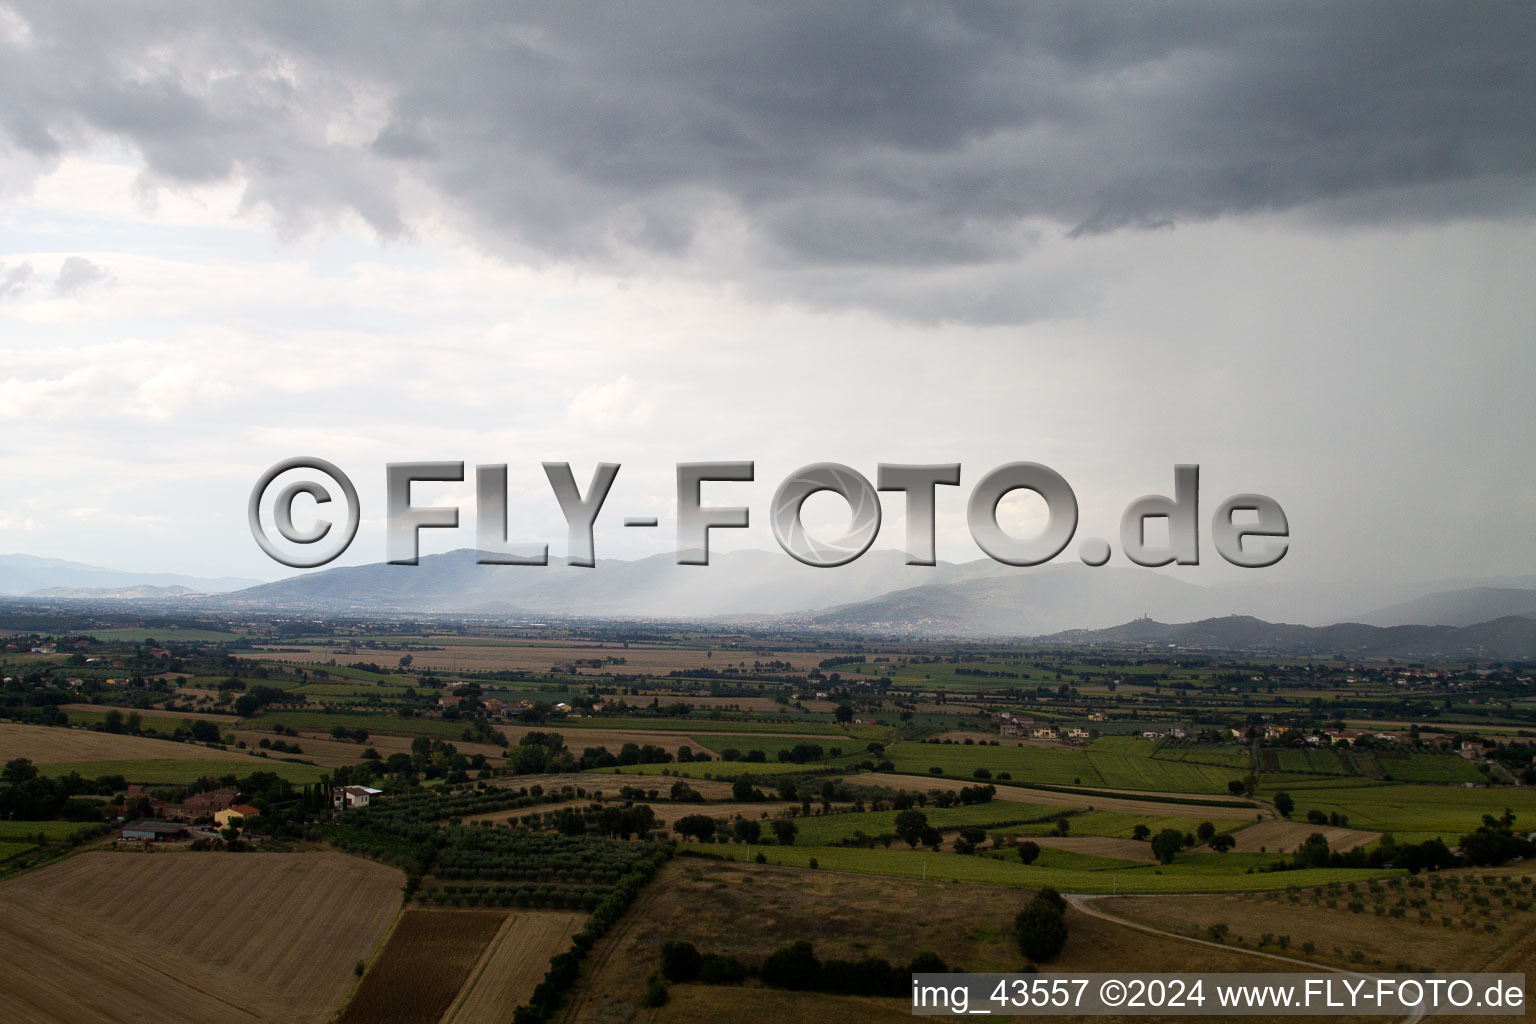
104	938
1119	824
53	831
179	773
1189	873
10	849
1450	810
427	960
381	722
1419	936
819	830
166	634
748	911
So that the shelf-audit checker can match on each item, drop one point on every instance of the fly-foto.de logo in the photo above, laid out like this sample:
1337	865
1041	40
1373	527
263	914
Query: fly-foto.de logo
1248	530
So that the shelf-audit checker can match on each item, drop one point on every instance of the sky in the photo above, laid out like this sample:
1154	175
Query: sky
1292	243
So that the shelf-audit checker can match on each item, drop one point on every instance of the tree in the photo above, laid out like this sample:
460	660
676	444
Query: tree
1284	804
741	789
784	831
1167	843
747	830
18	770
1041	927
1204	831
680	961
971	837
1235	787
793	967
700	826
910	825
1221	842
844	714
1029	852
1141	833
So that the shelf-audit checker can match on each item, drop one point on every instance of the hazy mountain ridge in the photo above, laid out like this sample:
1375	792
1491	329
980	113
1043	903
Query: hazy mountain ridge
1509	638
26	574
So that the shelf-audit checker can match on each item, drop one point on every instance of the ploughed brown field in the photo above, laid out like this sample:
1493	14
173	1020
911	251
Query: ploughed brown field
43	744
513	965
119	937
429	956
1277	836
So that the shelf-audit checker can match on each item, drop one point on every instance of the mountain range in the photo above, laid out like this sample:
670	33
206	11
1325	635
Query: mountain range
876	593
27	574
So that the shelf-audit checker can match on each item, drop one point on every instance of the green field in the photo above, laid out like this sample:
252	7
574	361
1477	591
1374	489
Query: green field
709	769
1062	766
771	744
829	828
816	729
54	831
1117	762
173	772
1119	824
9	850
1450	810
1188	874
1419	766
165	635
325	721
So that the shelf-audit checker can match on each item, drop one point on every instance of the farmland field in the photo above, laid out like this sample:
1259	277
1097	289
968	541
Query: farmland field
1189	873
748	911
182	772
53	831
429	956
112	938
43	745
1325	918
513	963
1450	810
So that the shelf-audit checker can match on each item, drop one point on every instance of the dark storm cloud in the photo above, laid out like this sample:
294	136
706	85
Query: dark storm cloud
874	137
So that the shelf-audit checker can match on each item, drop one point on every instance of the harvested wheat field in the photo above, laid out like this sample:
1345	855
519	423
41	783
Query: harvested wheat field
428	958
115	937
1284	836
512	966
320	748
43	744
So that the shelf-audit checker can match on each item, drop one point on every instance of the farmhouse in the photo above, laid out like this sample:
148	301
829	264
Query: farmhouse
343	797
150	830
212	802
237	811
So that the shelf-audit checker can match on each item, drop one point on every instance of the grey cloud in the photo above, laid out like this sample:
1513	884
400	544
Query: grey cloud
14	280
849	137
77	274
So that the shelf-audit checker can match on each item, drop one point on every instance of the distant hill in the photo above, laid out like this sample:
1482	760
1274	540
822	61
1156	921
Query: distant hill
1029	602
141	593
26	574
1456	607
1509	638
739	583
